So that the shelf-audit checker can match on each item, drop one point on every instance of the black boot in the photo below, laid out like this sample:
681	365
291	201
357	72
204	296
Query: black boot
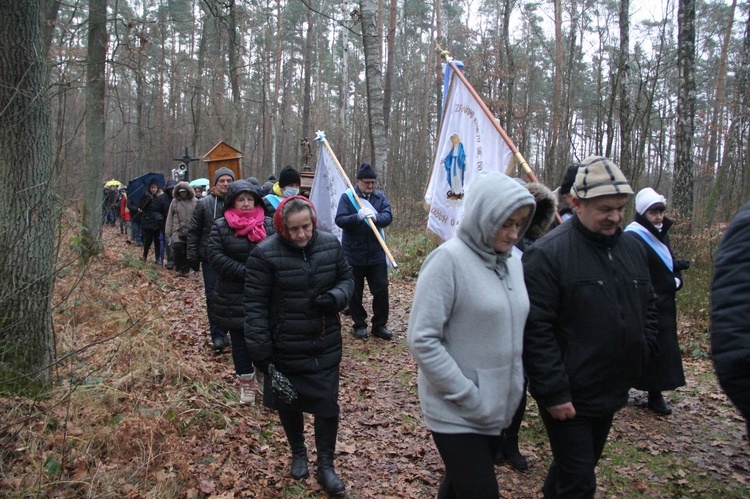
657	404
293	423
512	454
508	451
325	441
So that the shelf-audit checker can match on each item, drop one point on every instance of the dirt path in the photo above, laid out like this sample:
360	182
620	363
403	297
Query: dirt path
168	423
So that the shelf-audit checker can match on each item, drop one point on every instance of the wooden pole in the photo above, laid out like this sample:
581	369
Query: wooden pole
321	137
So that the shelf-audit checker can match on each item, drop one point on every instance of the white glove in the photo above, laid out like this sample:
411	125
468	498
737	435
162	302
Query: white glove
365	213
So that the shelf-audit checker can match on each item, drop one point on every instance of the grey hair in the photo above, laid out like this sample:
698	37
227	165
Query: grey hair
296	205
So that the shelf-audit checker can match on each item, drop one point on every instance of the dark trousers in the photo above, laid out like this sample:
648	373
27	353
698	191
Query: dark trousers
577	445
180	256
240	354
469	471
377	280
151	236
209	285
135	227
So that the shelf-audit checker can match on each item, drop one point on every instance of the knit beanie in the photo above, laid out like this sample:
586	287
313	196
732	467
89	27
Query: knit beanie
568	179
223	171
647	198
366	171
289	176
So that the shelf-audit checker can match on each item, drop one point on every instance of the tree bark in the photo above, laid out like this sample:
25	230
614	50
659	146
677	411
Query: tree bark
683	170
390	64
95	123
626	125
29	213
719	92
307	98
374	83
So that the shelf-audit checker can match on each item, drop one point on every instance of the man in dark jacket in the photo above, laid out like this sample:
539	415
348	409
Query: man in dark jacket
730	313
591	327
208	209
363	251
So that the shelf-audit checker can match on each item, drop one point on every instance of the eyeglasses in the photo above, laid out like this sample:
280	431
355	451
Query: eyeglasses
368	182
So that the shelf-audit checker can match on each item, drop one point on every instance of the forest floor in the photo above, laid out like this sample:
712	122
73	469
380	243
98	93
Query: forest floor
143	408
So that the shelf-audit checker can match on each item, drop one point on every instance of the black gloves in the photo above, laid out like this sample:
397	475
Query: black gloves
194	264
325	302
680	265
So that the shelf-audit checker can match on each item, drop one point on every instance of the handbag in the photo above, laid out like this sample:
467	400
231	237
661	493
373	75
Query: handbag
281	385
182	233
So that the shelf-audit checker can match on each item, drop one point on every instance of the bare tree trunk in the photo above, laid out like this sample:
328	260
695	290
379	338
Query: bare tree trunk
735	148
29	214
683	170
233	55
307	97
390	64
94	156
551	165
713	142
507	51
374	83
197	98
51	8
626	125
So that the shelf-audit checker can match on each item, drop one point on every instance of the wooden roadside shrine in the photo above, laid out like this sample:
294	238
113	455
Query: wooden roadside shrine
223	155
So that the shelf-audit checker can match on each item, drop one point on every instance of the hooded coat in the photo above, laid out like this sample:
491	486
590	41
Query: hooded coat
180	212
468	315
227	254
664	371
544	215
282	323
209	208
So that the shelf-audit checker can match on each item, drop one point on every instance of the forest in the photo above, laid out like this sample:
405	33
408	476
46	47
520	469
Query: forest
108	383
566	79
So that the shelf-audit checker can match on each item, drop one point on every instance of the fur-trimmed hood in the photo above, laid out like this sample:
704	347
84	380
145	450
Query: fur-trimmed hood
186	186
546	209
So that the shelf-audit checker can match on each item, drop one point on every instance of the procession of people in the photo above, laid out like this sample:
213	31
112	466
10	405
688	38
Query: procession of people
579	310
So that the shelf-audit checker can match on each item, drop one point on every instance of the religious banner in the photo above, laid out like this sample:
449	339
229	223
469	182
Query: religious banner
328	186
469	143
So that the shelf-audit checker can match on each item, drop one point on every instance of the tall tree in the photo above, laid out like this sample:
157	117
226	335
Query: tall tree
626	152
374	83
27	227
94	159
683	168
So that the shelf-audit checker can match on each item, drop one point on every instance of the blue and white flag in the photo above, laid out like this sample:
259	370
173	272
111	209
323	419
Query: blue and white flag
468	144
326	191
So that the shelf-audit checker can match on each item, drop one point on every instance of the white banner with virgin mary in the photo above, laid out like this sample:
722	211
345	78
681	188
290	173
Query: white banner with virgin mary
468	144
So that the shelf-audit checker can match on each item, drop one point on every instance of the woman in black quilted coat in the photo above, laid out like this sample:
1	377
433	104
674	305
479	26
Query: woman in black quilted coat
233	236
297	281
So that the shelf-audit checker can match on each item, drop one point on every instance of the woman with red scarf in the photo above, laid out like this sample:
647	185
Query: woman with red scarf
232	238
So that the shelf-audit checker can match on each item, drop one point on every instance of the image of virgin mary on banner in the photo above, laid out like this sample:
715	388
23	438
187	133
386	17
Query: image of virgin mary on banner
469	143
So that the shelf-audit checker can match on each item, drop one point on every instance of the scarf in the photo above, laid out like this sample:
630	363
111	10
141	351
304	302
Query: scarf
247	223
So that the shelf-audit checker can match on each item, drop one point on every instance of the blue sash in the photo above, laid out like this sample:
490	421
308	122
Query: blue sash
659	247
274	200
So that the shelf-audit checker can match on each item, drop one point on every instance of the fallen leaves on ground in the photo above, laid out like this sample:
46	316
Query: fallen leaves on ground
143	407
